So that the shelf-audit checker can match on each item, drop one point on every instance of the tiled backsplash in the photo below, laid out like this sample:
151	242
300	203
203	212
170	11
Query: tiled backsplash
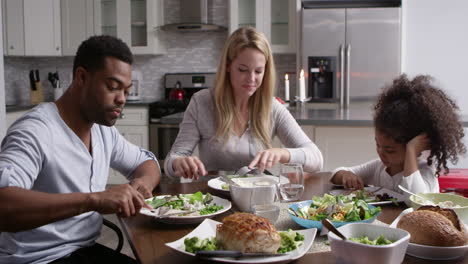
186	52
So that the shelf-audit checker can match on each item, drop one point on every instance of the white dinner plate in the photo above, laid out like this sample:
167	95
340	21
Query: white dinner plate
400	197
217	183
207	229
189	219
431	252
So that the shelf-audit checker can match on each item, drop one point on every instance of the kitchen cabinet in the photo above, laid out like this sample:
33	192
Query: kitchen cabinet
136	22
31	27
277	19
77	17
133	126
345	146
12	116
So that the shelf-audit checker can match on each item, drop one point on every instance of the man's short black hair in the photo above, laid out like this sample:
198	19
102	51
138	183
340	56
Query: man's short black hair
92	52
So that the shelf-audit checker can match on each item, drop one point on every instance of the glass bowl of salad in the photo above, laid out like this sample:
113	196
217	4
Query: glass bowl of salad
339	211
370	242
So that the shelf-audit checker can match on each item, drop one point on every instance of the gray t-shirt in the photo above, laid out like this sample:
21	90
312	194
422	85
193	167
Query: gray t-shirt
41	153
198	128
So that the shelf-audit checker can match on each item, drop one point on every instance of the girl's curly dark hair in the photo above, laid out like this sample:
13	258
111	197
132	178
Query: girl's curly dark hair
408	108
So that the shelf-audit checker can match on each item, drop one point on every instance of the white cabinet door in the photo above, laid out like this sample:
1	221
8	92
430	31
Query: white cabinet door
12	116
137	135
136	22
133	126
309	131
345	146
77	24
13	27
277	19
42	28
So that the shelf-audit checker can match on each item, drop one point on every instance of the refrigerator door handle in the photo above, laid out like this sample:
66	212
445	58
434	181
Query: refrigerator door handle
348	70
342	76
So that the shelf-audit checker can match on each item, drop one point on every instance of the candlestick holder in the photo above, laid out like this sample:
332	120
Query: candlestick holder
301	102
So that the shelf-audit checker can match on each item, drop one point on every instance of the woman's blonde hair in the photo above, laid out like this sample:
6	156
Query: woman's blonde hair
260	102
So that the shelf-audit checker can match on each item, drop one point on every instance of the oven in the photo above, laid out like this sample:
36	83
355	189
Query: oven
178	89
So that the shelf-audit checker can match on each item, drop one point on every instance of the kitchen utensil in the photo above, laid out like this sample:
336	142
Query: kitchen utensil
247	170
32	80
418	196
233	254
378	189
175	214
291	211
36	95
53	79
177	93
326	223
228	180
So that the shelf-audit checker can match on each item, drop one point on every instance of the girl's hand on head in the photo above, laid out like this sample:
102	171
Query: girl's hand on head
189	167
351	181
268	158
419	143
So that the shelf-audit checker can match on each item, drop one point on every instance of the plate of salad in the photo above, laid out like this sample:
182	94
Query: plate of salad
185	208
310	214
372	195
203	238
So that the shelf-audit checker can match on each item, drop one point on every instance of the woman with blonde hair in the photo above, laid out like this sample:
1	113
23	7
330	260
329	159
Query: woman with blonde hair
234	123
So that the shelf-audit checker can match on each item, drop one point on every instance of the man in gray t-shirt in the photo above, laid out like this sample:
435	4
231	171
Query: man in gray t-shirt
54	164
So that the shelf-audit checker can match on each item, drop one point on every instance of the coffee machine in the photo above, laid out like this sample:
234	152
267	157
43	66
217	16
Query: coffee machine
322	79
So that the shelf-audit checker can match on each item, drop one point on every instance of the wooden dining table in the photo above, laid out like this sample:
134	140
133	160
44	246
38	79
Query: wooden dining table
147	237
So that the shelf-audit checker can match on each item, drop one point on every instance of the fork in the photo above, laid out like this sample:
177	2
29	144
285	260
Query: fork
175	214
254	170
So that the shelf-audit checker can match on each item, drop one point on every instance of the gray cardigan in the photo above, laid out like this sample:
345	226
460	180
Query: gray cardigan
198	128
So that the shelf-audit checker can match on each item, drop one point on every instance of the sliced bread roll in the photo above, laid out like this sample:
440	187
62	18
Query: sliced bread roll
434	226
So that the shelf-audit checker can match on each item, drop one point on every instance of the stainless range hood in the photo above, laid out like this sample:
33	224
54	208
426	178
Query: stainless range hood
193	18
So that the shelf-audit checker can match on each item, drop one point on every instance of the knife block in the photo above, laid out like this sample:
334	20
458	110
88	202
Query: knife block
36	96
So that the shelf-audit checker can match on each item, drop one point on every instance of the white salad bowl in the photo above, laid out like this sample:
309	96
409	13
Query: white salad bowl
253	191
350	252
440	199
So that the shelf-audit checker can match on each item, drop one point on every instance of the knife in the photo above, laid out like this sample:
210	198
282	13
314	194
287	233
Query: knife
233	254
32	80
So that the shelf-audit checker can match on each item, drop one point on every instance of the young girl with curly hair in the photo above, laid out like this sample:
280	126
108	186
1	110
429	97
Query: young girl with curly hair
411	116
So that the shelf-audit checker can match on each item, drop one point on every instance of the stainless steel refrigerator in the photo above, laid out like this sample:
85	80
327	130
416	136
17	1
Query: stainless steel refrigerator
349	53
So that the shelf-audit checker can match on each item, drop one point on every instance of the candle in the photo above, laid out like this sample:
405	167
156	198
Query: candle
301	86
286	87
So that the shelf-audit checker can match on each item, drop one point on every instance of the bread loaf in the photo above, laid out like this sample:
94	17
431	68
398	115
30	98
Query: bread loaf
248	233
433	226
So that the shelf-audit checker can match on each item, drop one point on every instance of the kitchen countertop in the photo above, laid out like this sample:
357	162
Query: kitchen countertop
16	108
320	114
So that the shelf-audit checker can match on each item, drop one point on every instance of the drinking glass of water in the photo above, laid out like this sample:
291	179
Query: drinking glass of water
291	182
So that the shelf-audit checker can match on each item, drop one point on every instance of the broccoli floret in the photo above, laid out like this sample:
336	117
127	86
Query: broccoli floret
290	240
195	244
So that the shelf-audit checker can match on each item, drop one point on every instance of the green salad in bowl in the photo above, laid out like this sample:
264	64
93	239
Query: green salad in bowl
338	209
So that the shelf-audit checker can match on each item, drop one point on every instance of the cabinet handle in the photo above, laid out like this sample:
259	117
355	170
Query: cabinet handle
12	47
122	116
57	48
